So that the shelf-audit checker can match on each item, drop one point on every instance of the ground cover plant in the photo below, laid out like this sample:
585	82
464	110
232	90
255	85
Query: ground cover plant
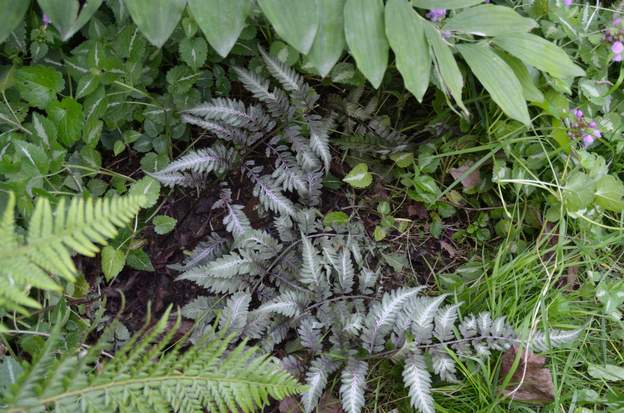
338	205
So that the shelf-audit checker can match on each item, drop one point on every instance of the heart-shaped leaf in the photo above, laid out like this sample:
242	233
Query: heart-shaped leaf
359	177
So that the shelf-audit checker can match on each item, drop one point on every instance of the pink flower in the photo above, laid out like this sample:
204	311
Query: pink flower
617	47
45	20
617	58
567	3
588	140
435	15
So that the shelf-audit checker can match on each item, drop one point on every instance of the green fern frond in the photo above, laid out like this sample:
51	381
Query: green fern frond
209	375
50	240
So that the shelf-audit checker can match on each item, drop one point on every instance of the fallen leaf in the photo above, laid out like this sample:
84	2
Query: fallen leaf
448	248
530	382
290	405
471	180
418	210
329	404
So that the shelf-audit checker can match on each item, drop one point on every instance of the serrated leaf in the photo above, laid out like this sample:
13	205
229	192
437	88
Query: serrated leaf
330	39
609	193
418	380
68	117
353	383
113	261
297	23
489	20
12	14
335	218
38	85
406	35
359	177
498	79
164	224
156	19
366	37
194	52
540	53
139	260
148	187
221	21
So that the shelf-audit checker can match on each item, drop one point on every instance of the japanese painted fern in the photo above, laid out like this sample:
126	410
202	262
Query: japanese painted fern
144	377
321	289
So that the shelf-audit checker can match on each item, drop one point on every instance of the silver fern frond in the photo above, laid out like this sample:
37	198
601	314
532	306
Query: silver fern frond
310	334
444	321
215	159
319	139
316	380
234	316
382	316
546	340
221	131
311	272
418	381
353	384
276	101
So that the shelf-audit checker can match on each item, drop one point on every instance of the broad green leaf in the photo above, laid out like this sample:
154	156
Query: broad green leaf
194	52
529	90
38	85
149	188
540	53
444	4
295	21
330	41
578	192
221	21
87	85
67	15
445	64
335	218
359	177
156	19
498	79
10	371
164	224
11	16
68	117
139	260
403	159
489	20
611	295
113	261
608	372
366	37
609	193
406	35
7	77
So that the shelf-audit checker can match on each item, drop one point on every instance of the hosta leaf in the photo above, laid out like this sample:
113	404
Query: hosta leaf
405	31
529	90
67	15
365	35
489	20
498	79
13	12
330	41
444	4
156	19
445	64
296	22
221	21
359	177
540	53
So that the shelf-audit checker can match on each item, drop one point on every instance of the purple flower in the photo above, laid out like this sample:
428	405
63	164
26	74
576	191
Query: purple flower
567	3
617	21
578	113
45	20
597	133
593	125
617	58
617	47
435	15
588	140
